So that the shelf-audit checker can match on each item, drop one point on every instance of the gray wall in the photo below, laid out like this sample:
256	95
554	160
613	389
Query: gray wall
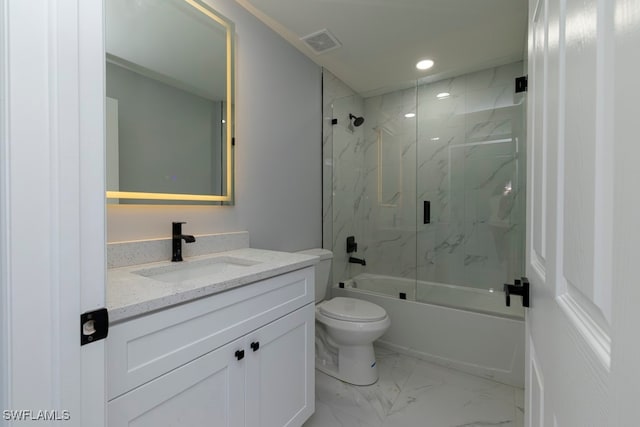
277	157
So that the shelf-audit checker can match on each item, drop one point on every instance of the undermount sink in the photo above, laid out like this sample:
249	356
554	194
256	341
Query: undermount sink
188	270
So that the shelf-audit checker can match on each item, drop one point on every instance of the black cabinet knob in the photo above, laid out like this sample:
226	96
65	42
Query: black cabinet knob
255	345
240	354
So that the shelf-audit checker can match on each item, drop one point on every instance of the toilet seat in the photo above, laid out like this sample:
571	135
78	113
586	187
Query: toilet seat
352	310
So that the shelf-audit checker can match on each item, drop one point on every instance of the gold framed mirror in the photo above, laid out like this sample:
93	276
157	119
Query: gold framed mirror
170	103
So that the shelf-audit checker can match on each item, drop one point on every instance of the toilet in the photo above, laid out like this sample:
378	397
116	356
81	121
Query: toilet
345	330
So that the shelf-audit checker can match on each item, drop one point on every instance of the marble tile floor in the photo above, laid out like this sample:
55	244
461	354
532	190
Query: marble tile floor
415	393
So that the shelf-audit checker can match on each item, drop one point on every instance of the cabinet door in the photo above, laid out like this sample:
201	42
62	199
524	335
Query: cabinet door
207	391
280	372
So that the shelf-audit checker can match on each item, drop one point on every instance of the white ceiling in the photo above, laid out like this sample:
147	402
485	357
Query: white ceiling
383	39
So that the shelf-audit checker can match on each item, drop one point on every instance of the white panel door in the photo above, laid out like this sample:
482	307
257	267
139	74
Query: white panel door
570	209
52	222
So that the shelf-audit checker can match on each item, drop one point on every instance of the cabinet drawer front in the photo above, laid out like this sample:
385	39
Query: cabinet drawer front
142	349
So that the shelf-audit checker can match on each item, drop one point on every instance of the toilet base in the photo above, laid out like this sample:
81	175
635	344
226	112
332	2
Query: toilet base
356	365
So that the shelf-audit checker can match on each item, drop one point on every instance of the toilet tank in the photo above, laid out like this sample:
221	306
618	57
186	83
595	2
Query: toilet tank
323	268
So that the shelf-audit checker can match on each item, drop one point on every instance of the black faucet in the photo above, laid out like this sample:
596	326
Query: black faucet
355	260
176	241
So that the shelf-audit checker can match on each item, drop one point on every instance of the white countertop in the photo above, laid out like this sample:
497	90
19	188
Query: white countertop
130	294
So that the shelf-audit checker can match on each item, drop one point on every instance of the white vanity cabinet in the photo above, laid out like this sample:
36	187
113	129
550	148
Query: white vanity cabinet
242	357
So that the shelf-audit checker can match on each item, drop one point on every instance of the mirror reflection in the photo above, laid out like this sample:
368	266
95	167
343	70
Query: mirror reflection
169	102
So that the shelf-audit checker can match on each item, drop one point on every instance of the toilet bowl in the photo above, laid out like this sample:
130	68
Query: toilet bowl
349	327
345	330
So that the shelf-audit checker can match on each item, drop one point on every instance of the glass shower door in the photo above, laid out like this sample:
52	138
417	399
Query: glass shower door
470	188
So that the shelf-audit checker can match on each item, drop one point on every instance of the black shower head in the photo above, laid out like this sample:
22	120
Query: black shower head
357	121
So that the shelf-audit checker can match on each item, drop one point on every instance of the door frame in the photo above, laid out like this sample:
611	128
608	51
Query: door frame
52	207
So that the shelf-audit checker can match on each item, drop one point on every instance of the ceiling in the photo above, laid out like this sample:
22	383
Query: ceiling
383	39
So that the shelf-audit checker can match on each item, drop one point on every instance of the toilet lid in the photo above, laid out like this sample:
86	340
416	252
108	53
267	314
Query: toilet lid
352	309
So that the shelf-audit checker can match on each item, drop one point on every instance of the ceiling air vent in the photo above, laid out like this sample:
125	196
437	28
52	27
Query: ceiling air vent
321	41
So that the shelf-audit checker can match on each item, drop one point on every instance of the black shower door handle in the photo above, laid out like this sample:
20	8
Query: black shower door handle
426	217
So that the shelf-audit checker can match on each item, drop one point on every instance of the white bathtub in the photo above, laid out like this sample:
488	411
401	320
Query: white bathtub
466	329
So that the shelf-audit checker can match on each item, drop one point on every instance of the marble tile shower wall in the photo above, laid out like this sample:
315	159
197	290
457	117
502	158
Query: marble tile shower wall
463	153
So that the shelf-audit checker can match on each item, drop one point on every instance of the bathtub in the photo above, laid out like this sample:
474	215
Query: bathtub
467	329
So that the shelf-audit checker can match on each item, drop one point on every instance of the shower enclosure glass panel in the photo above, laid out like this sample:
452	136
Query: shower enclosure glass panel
374	185
349	192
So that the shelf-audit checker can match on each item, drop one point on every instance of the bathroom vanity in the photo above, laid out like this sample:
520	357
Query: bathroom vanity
222	339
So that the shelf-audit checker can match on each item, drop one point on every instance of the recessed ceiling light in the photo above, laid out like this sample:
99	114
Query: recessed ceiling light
435	138
424	64
443	95
410	115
